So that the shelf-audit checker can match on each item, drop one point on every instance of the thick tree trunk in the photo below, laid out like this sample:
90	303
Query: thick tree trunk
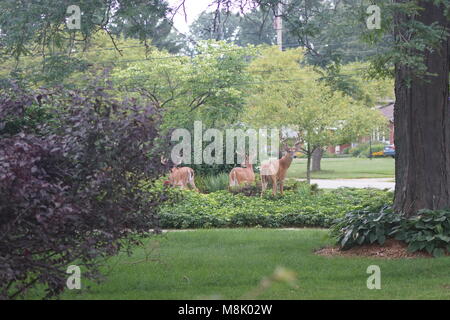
422	129
317	160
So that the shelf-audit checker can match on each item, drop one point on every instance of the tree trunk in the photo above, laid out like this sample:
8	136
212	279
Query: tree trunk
317	159
309	154
308	169
422	128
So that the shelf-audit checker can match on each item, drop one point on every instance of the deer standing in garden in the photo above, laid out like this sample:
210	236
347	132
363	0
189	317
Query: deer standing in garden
275	170
181	177
243	175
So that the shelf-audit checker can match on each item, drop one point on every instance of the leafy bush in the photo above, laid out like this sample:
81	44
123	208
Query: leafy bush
301	208
429	230
254	190
364	227
363	149
72	192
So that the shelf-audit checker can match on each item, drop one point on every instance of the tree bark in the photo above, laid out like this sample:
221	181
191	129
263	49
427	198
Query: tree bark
422	127
309	154
308	168
317	160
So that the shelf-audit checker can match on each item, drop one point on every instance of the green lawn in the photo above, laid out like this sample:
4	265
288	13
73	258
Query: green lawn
227	264
346	168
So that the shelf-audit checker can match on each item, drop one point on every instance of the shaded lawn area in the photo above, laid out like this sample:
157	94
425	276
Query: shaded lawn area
346	168
227	264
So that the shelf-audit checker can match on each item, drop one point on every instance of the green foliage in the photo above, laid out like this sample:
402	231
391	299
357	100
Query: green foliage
41	24
364	227
304	103
429	230
212	183
412	51
204	87
32	117
300	208
363	149
255	27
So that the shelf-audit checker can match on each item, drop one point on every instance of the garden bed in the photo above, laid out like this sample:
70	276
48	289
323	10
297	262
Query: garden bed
297	209
392	249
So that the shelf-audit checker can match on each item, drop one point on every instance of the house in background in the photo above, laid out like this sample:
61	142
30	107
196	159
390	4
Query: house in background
388	112
385	136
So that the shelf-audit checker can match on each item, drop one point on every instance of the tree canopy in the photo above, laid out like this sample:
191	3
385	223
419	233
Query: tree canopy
291	95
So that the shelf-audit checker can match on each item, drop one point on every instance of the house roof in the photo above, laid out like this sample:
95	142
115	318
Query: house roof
388	111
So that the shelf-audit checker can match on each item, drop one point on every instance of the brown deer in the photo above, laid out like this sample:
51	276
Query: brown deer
275	170
181	177
243	175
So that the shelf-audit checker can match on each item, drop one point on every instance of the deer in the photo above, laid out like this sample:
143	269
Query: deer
181	176
243	175
275	170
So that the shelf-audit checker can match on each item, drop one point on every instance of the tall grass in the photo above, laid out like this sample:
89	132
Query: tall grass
212	183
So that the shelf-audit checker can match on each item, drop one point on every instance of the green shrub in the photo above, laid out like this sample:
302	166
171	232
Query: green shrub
375	148
212	183
363	149
429	230
254	190
298	208
364	227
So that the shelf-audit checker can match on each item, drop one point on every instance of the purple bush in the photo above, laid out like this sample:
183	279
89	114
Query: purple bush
70	187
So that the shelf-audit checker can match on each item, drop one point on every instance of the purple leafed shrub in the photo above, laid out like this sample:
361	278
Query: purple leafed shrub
70	188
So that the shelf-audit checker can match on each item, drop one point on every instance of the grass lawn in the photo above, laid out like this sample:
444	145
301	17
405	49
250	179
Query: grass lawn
227	264
346	168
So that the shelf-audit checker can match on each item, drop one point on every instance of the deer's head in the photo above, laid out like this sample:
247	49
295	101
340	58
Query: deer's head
290	151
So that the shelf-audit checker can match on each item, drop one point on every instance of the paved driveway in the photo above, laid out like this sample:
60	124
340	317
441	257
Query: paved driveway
385	183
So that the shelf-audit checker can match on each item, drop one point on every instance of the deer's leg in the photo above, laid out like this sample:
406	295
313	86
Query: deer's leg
193	185
282	187
190	183
264	182
274	185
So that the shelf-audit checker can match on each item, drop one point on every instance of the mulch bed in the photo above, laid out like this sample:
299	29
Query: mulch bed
392	249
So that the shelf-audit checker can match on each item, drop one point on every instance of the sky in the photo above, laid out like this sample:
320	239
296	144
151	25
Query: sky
193	10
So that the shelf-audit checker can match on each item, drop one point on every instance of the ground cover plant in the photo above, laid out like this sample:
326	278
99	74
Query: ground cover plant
298	208
428	230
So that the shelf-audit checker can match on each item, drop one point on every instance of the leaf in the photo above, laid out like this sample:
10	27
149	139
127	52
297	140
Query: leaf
346	238
414	246
443	237
438	252
381	239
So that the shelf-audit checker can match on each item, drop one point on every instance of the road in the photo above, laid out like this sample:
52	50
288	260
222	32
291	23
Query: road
379	183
